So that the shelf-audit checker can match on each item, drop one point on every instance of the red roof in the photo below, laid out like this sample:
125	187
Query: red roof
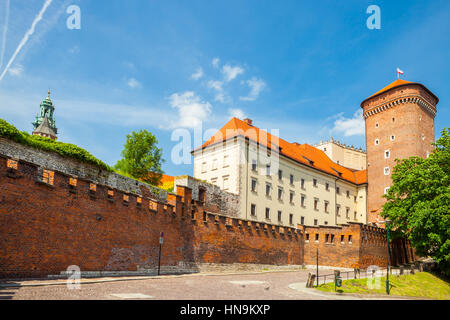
302	153
399	83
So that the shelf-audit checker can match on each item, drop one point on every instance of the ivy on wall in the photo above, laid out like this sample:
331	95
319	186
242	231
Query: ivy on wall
69	150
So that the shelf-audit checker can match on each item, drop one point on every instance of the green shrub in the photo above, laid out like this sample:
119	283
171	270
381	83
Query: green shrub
69	150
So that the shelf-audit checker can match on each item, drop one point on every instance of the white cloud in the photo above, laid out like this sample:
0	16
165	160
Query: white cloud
350	126
237	113
198	74
217	86
16	70
133	83
191	109
231	72
256	86
215	62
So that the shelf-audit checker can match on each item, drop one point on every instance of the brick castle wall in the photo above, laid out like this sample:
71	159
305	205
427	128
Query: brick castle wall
399	114
46	227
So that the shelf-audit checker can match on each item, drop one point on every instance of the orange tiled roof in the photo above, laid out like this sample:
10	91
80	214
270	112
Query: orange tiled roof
398	83
394	84
303	153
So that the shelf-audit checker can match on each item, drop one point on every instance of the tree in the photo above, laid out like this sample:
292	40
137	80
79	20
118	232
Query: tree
141	158
418	202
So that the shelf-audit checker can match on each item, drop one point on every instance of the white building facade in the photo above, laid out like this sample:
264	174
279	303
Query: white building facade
281	187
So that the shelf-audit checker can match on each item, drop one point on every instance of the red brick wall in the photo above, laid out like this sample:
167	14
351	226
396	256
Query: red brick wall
411	121
44	229
333	253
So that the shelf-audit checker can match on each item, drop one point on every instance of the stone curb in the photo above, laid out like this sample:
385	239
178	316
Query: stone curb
20	284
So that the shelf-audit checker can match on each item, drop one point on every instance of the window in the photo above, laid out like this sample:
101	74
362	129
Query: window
254	182
302	201
317	235
338	190
348	194
327	237
316	201
225	183
291	179
48	176
268	170
302	184
291	218
139	201
315	182
12	164
110	194
342	238
126	198
268	213
354	198
327	186
332	238
254	165
214	164
280	174
225	161
376	125
393	119
423	136
392	138
355	215
280	194
307	236
326	206
347	212
387	154
253	210
349	238
377	142
325	149
279	215
386	190
338	207
291	197
92	187
302	220
203	167
268	187
386	171
326	222
214	180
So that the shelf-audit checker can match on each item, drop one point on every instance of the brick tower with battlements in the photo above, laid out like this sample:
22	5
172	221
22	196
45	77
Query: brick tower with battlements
399	123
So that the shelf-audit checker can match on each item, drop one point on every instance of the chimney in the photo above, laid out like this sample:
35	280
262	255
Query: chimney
248	121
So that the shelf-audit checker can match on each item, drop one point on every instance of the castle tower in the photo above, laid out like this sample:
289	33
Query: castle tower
44	124
399	124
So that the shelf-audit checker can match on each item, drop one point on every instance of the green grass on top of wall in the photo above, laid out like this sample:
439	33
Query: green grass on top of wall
69	150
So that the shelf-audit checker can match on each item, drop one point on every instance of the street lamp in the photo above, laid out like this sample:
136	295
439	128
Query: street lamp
387	222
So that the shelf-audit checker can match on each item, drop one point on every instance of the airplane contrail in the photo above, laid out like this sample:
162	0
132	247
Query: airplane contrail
5	31
26	36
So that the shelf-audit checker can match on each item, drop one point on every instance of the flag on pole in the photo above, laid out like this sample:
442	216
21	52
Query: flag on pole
399	72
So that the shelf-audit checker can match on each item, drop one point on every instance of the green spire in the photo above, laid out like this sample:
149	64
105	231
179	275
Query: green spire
46	111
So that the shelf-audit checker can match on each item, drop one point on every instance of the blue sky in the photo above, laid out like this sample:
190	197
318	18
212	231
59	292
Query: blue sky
302	67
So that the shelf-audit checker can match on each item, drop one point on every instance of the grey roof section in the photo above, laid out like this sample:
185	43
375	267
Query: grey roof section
45	128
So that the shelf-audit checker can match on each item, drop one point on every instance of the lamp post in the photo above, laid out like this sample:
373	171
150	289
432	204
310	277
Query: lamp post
387	222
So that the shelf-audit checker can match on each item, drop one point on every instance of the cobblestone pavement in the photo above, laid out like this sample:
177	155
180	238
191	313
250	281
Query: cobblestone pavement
256	286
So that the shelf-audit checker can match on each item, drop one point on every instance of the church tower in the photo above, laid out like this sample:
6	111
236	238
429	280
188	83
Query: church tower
399	123
44	125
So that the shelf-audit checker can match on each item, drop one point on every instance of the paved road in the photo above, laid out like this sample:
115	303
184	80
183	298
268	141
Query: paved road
260	286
